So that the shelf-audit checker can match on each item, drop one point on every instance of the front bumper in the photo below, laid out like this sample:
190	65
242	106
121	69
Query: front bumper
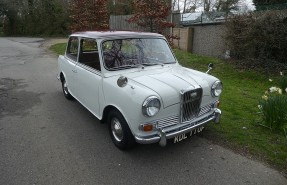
164	134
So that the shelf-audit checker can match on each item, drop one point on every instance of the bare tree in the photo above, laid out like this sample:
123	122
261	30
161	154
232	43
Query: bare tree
191	5
186	5
208	5
225	5
194	4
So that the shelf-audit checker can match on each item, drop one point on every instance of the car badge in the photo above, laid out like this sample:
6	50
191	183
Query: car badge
193	95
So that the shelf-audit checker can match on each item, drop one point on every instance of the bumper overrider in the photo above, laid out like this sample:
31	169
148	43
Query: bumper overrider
164	134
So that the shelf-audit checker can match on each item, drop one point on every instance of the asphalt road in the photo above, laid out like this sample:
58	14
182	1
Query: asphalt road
46	139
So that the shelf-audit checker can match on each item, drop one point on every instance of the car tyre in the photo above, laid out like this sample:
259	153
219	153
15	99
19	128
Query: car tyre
119	130
66	90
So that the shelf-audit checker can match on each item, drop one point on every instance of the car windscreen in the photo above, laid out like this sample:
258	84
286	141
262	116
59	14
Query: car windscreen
128	53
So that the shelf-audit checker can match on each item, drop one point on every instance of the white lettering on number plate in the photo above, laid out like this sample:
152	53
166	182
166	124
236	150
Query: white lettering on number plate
185	135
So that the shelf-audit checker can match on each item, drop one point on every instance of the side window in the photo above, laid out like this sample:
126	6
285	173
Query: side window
72	50
89	45
89	54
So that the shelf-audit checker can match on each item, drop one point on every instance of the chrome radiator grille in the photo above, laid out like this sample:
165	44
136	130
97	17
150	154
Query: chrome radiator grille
205	109
190	104
167	122
174	120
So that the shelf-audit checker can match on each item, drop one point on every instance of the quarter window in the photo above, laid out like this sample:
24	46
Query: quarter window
72	50
89	54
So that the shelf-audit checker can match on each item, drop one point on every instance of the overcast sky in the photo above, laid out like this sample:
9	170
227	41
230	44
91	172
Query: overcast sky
248	4
244	6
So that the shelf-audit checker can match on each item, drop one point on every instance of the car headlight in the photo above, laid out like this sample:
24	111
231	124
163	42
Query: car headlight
216	89
151	106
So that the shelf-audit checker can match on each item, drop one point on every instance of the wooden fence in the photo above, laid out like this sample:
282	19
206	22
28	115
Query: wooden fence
120	22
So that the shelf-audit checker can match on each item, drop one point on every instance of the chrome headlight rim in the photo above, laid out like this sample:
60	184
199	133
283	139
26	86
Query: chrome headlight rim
216	88
146	104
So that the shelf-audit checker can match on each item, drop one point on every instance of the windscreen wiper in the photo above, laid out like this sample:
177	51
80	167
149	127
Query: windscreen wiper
152	64
125	67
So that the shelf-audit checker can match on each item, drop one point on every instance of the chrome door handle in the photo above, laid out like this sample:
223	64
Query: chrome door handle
75	71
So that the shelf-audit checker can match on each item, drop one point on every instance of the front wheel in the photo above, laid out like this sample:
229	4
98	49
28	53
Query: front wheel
120	132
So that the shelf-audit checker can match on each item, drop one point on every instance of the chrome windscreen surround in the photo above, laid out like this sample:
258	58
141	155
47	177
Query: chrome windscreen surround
190	104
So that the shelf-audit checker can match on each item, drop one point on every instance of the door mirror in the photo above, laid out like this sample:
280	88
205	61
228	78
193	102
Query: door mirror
210	66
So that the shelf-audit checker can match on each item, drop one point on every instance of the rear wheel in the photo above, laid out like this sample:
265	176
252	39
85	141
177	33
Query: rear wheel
65	89
119	130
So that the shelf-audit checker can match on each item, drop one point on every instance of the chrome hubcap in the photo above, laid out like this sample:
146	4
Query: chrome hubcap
117	129
65	86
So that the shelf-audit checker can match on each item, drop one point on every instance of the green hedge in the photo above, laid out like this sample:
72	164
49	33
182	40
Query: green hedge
259	37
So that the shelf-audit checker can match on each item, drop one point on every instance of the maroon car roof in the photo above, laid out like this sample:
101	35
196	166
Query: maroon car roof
108	34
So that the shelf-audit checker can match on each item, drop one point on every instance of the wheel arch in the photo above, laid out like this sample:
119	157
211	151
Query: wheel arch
106	112
108	109
62	76
128	140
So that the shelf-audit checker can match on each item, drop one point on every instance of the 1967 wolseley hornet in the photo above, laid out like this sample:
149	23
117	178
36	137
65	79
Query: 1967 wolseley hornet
133	82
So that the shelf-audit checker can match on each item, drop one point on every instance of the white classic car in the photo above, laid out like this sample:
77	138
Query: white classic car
133	82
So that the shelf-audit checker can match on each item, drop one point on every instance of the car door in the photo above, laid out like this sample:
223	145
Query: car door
88	75
71	58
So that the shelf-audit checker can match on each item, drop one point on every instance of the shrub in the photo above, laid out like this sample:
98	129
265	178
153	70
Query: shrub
1	31
93	15
259	37
273	107
283	82
152	16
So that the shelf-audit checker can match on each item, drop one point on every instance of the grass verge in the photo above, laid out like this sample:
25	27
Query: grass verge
239	129
59	49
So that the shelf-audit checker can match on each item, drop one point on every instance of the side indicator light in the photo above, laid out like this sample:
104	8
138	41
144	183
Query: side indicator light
148	127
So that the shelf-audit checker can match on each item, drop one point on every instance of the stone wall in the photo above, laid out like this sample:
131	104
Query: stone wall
209	40
185	41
